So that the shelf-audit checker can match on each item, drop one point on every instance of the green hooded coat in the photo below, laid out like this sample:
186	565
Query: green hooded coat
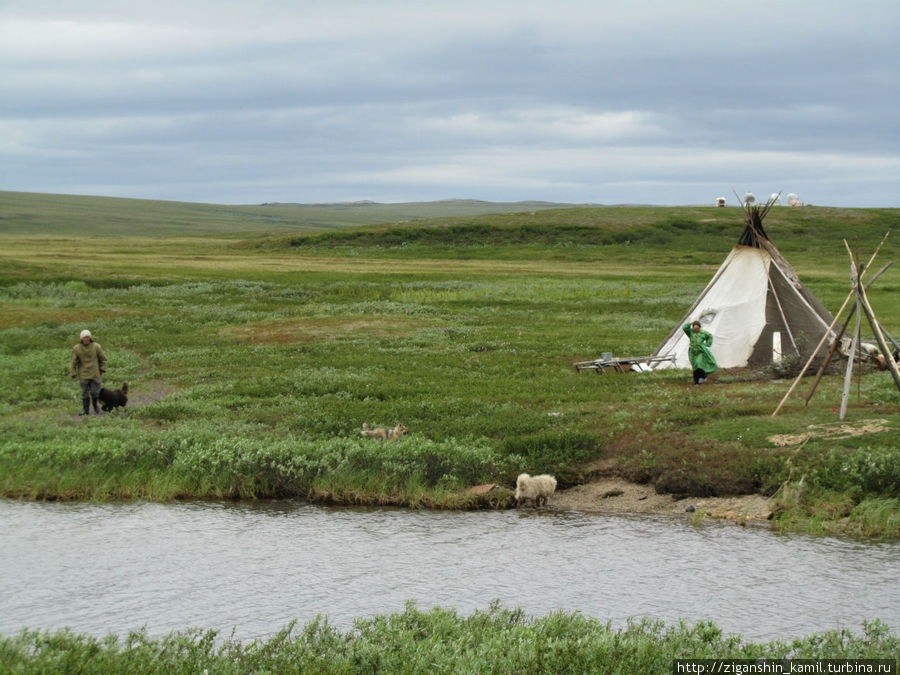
698	352
88	361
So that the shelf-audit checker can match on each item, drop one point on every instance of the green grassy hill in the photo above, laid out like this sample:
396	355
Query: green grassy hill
68	215
638	233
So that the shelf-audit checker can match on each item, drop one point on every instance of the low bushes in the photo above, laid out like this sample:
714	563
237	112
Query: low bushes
675	462
558	452
495	640
128	462
855	490
862	471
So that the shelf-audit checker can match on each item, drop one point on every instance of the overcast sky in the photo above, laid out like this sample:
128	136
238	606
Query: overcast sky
316	101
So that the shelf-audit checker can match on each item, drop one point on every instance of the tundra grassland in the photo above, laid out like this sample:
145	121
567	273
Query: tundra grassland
494	640
73	215
254	360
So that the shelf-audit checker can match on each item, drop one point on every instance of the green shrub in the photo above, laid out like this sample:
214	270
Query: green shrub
861	471
495	640
558	453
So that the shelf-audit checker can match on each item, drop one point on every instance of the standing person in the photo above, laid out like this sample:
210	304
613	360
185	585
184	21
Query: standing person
88	365
702	360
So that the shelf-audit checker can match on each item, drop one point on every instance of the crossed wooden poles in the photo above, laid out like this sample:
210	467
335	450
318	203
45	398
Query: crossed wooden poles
862	301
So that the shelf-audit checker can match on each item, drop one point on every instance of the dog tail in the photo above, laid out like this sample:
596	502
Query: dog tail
125	387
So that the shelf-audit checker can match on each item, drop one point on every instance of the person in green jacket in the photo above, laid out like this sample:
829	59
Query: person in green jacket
702	360
88	365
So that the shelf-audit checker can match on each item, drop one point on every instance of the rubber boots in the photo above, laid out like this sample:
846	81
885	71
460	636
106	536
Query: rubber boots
96	406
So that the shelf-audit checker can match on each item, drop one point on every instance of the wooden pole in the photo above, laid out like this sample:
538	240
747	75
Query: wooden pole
836	343
858	336
859	347
783	317
837	316
848	375
878	274
815	351
873	322
889	337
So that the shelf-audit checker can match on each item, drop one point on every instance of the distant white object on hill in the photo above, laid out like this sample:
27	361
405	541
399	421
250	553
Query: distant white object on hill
720	201
775	199
793	200
749	199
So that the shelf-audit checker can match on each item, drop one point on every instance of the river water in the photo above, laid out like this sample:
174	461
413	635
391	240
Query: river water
248	569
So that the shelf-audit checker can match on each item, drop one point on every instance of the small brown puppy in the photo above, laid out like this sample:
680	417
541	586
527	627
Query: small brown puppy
383	433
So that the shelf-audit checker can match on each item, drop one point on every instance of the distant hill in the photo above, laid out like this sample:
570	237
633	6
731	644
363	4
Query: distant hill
73	215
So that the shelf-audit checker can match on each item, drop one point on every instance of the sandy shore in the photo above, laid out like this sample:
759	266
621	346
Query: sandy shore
613	495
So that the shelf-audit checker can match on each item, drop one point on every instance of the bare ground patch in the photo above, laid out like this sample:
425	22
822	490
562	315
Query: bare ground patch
16	317
151	391
614	495
832	430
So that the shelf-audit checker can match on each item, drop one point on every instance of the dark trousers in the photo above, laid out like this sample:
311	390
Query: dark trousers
699	374
90	391
90	388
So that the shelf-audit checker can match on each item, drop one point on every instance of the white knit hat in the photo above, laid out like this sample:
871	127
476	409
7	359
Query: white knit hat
85	333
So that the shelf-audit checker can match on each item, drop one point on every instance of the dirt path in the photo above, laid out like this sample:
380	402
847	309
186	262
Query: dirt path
613	495
150	391
139	394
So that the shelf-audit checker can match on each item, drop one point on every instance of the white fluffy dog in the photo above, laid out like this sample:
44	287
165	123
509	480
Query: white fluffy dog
536	488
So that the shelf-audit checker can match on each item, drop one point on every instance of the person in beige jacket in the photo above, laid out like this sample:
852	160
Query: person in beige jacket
88	365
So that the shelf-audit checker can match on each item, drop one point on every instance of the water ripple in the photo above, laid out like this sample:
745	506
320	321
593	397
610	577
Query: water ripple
251	568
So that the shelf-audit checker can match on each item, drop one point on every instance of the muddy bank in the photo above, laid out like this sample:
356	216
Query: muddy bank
614	495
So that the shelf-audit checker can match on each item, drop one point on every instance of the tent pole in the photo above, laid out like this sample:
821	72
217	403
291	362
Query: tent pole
783	317
876	328
848	375
837	340
815	351
836	317
889	337
873	322
831	351
859	346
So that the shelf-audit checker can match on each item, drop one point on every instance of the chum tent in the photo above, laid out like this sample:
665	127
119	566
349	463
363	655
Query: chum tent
756	308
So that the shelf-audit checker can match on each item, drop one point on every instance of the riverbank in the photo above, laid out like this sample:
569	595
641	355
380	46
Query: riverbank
618	496
495	640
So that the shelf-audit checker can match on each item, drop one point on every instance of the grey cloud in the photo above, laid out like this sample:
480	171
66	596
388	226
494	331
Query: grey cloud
353	101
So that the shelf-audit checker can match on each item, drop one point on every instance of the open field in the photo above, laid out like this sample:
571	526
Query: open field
494	640
255	359
61	215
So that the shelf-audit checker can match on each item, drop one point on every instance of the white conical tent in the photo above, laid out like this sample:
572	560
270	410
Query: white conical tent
755	307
